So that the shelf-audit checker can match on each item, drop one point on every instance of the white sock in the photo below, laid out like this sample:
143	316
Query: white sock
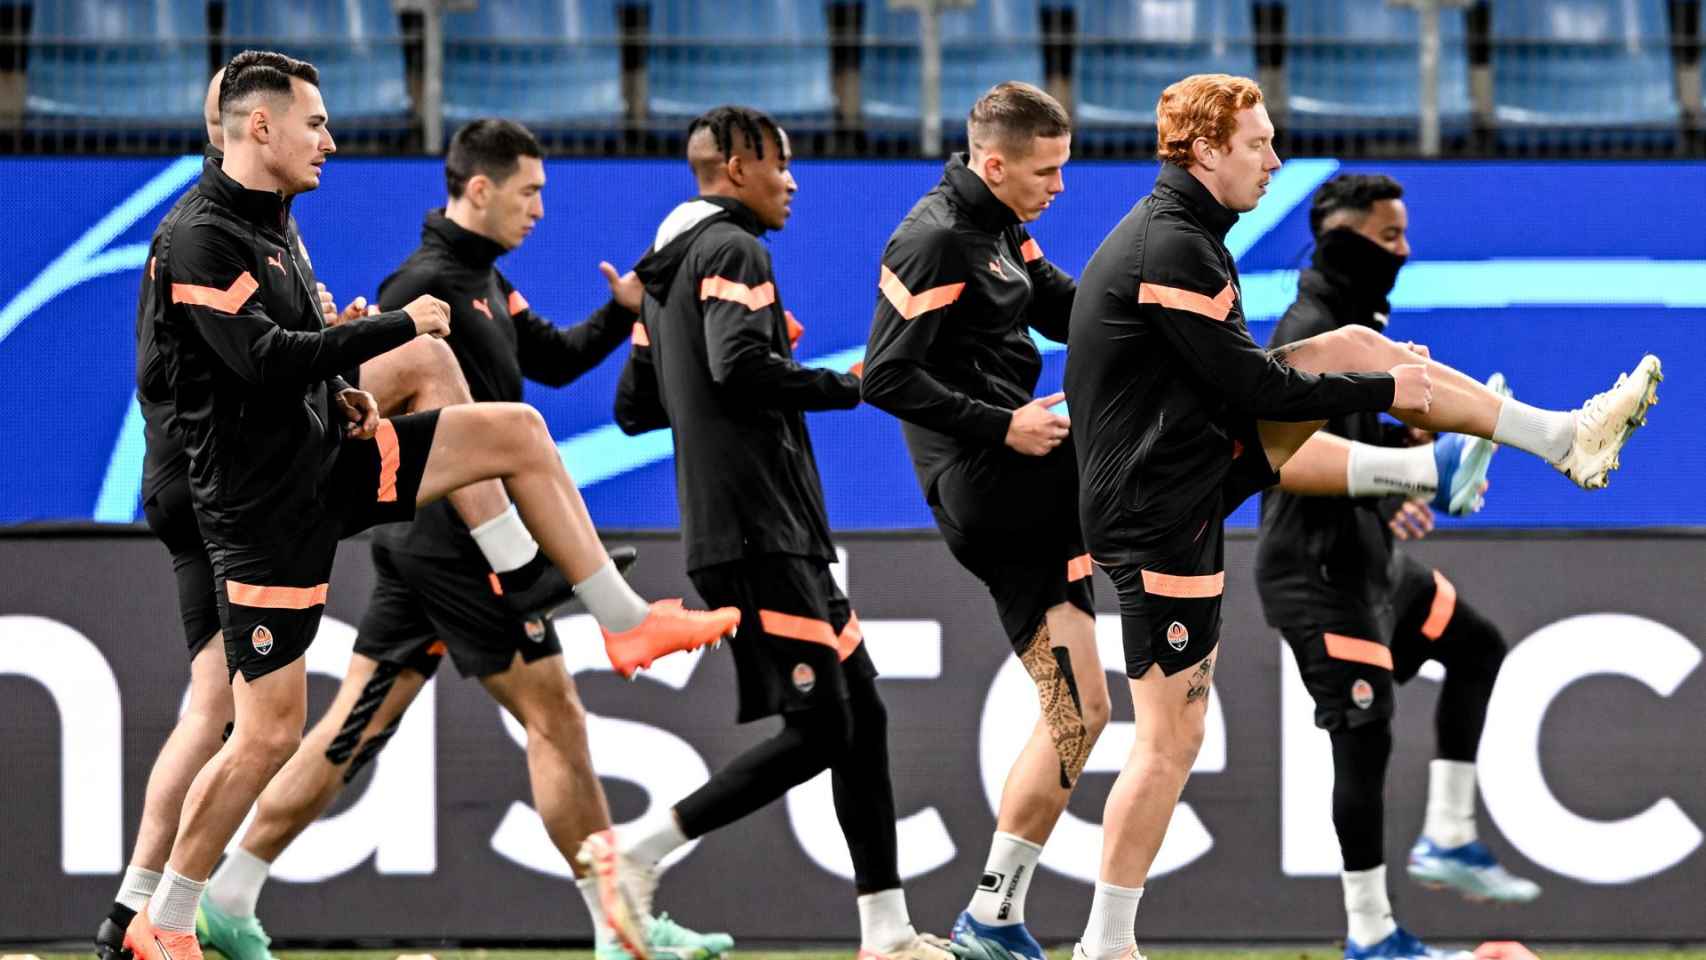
505	541
611	601
1368	913
1451	803
655	837
1548	434
1000	896
236	885
138	885
602	934
1112	930
884	924
172	908
1377	471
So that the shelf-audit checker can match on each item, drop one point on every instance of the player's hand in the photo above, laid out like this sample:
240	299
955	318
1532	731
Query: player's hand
328	306
355	310
625	288
430	314
1419	349
1503	950
1413	521
362	412
1035	429
1416	437
1412	388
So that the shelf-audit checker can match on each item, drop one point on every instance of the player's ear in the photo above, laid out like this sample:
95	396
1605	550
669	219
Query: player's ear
735	167
478	191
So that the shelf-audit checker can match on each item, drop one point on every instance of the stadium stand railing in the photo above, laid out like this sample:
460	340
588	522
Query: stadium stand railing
615	77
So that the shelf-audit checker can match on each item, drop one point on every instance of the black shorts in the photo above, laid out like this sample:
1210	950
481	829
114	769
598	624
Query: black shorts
172	518
271	595
423	607
798	639
1170	597
1012	520
1351	662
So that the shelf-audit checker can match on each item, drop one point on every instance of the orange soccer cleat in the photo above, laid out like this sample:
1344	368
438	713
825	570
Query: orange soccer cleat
668	628
147	942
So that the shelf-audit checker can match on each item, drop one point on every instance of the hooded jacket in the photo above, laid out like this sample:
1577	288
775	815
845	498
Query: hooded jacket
712	360
1329	557
230	335
950	352
1162	375
498	339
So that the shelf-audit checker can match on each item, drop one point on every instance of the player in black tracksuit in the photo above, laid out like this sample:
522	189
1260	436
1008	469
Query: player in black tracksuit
715	364
1360	615
961	288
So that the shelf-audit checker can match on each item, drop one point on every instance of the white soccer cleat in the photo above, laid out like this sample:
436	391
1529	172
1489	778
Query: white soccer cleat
598	853
1605	423
922	946
1079	953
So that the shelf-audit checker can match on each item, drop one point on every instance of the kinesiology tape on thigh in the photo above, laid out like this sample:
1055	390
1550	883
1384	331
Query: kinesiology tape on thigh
372	695
1057	695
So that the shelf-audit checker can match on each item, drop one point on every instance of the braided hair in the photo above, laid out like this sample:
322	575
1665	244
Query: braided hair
753	126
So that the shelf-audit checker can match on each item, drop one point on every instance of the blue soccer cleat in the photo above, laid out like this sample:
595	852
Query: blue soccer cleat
979	941
1400	944
1470	870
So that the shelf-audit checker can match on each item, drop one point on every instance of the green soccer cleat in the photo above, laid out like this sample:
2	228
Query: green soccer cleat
668	940
238	938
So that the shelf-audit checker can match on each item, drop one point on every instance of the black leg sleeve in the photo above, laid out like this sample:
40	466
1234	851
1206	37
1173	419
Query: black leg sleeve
864	795
1359	792
1472	651
808	743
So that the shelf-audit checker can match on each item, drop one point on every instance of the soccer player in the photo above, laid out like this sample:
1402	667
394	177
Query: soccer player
1360	616
950	353
422	374
285	457
1180	416
431	593
718	368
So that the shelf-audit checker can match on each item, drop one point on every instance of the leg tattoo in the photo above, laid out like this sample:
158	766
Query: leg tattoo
1057	694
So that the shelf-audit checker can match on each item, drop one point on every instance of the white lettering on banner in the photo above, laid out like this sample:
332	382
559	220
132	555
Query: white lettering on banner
395	820
1075	847
1513	785
91	742
665	766
1309	846
901	650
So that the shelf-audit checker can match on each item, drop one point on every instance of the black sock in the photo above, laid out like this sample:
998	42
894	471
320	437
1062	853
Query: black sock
864	795
121	915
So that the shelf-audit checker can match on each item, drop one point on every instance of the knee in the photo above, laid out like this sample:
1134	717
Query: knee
556	718
266	746
526	431
1096	711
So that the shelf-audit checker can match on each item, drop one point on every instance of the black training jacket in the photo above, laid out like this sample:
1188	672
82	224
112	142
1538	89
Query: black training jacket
1323	558
717	367
498	339
1161	374
230	335
950	351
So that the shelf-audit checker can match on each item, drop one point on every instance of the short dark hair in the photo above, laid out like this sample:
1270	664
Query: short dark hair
724	121
490	146
261	71
1014	113
1351	191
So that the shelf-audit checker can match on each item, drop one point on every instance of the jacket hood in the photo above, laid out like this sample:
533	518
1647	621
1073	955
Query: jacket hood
675	236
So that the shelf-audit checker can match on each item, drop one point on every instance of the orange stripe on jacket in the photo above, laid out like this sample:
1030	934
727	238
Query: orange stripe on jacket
1217	307
1170	585
517	302
1078	567
1360	651
1444	605
229	300
851	636
909	304
390	457
752	298
275	598
1031	250
639	337
797	628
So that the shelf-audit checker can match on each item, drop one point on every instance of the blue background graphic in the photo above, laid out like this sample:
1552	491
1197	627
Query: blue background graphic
1559	274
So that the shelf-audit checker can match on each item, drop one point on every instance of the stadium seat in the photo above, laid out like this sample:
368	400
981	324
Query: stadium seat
544	63
982	45
139	61
1582	63
1356	64
1130	50
356	44
771	54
